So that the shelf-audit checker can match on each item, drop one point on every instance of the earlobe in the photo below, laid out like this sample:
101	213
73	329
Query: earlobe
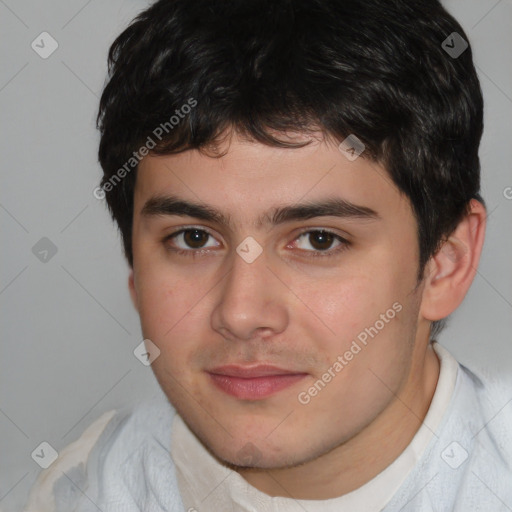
451	270
133	291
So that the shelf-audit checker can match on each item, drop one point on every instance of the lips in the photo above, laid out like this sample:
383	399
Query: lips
254	382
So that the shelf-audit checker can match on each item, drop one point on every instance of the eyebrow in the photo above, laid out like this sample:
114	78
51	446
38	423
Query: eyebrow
329	207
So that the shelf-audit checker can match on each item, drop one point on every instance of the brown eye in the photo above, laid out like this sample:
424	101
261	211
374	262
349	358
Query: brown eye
195	238
321	240
190	240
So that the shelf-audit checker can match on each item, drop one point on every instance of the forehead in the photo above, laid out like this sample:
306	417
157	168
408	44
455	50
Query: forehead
252	180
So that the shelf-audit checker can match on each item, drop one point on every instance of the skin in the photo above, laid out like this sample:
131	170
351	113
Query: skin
295	311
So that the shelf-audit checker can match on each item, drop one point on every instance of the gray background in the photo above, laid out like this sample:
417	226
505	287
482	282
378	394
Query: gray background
68	326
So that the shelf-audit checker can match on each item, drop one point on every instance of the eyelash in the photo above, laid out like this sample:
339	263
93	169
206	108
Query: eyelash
344	244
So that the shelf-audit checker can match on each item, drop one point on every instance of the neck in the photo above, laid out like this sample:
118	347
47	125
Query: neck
354	463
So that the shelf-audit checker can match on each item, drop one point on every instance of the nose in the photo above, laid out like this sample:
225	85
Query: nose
252	302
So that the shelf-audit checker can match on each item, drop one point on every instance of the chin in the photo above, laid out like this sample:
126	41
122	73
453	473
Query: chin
257	454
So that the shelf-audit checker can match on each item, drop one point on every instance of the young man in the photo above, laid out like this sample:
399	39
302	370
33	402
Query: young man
297	188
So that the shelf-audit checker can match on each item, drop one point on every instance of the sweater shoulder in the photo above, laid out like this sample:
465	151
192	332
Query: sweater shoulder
83	465
71	460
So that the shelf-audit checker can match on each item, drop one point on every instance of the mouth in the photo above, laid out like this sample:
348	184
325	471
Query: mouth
253	382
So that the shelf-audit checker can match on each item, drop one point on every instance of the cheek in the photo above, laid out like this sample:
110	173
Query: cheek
368	315
164	300
350	303
167	319
369	359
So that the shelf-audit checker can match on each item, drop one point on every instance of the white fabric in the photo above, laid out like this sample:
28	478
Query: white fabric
42	497
465	467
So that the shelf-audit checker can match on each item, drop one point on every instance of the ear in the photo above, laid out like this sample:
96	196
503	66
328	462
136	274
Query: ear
133	291
450	272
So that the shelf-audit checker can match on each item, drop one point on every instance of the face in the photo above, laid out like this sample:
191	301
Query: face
285	308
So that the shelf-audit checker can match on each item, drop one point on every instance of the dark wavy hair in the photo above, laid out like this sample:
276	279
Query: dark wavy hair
262	67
